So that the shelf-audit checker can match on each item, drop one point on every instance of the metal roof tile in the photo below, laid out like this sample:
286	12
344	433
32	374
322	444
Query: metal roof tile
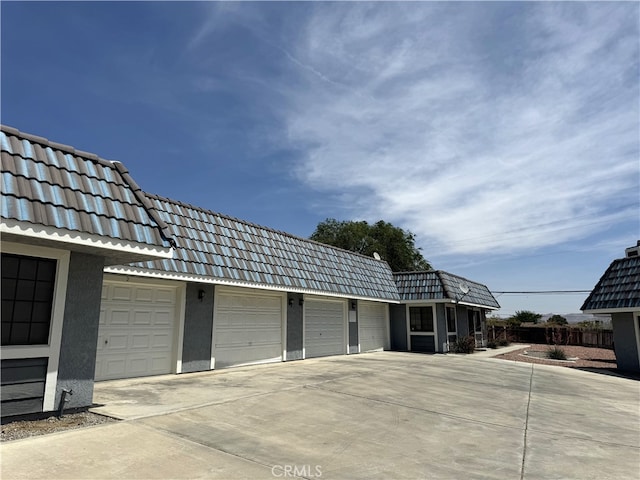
437	284
256	254
54	186
618	288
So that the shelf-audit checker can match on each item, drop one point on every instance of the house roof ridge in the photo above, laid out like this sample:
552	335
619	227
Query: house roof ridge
255	225
462	278
407	272
114	165
45	142
142	198
611	266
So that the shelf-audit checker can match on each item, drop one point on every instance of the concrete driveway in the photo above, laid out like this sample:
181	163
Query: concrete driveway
381	415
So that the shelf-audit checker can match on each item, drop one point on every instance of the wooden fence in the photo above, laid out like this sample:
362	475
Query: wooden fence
559	335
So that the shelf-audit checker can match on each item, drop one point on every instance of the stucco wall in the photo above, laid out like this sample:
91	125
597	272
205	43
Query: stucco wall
463	321
294	326
625	341
398	327
441	326
78	348
198	325
353	327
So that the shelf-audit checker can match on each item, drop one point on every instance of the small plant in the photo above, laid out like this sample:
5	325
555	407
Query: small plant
464	345
503	342
492	344
556	353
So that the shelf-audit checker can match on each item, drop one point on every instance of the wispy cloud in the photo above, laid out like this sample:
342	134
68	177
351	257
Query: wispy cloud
477	127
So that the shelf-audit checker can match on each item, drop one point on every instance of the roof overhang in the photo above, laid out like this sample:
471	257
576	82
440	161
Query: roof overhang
115	251
613	310
448	301
185	277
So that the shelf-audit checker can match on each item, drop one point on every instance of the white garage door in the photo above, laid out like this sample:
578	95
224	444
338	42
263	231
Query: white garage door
324	328
136	332
372	321
247	327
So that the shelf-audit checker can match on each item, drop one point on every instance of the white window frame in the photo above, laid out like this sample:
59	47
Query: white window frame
52	350
475	332
455	319
435	324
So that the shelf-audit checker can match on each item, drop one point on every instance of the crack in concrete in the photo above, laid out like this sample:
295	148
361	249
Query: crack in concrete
526	426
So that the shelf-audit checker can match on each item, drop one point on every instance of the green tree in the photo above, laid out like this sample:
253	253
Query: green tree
524	316
557	320
393	244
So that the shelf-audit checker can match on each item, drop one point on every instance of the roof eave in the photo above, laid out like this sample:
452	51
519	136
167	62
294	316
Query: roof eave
612	310
114	250
185	277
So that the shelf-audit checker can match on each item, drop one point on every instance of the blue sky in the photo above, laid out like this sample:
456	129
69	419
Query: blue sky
504	135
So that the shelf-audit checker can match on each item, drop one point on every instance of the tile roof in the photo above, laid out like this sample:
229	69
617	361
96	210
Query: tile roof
54	185
618	288
440	285
215	246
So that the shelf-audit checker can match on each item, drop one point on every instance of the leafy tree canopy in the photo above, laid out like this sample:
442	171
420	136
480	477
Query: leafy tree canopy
557	320
525	316
395	245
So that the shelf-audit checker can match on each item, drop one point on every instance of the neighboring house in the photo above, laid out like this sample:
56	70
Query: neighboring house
437	308
237	293
102	281
65	214
618	293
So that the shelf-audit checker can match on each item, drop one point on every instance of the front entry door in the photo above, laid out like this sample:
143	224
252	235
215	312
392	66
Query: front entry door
475	327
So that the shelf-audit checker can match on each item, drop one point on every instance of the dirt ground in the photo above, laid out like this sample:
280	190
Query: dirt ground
29	428
586	357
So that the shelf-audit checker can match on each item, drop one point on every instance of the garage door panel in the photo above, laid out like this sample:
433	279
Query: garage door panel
142	317
117	317
136	330
119	293
324	328
165	296
372	320
248	328
144	295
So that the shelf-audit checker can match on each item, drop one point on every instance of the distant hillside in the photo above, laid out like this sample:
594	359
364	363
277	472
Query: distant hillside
573	317
579	317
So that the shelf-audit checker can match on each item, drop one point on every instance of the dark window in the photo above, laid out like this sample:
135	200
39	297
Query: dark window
451	319
421	319
474	321
27	298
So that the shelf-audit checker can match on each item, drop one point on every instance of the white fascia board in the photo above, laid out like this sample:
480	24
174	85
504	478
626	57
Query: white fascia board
42	232
185	277
477	305
447	301
613	310
427	301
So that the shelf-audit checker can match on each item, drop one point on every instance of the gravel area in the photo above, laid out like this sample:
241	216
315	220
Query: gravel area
586	357
29	428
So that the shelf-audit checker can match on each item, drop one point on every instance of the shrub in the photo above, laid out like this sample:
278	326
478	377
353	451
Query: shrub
503	342
492	344
556	353
464	345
